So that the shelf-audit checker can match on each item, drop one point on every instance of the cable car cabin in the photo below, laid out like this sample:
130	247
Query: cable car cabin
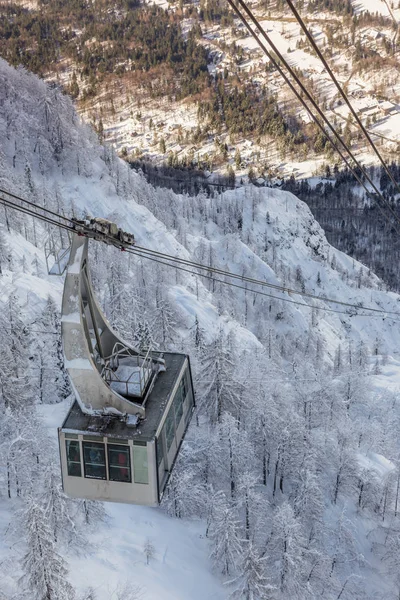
122	459
122	434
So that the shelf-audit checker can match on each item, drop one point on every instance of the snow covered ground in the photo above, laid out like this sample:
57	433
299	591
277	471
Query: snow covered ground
371	6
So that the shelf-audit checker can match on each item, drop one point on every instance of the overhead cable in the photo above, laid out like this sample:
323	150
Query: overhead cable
147	251
51	212
163	257
313	102
382	314
341	91
31	213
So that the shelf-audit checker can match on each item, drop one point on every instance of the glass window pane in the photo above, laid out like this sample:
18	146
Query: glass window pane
160	450
184	387
94	460
119	463
140	467
189	393
178	405
170	427
73	458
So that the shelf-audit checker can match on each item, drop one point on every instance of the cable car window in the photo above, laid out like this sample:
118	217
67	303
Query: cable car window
119	463
94	460
160	451
189	392
178	405
170	428
184	386
140	467
73	458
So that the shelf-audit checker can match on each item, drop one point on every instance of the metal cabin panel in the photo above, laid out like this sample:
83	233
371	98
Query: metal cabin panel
98	430
144	494
80	363
166	463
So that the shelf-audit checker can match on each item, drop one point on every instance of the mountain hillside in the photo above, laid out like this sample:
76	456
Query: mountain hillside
287	485
183	83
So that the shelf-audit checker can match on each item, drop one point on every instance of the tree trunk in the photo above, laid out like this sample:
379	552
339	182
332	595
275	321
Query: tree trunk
231	469
275	476
8	479
397	494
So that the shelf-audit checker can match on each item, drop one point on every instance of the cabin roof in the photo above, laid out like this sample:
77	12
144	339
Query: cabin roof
112	426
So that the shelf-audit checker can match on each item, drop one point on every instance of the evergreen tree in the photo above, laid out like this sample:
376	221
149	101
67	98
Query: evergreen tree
225	538
45	571
53	383
219	390
253	583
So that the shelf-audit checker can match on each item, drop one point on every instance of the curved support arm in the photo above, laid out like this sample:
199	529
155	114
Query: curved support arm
88	341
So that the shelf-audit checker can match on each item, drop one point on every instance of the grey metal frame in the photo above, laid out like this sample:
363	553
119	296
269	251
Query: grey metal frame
93	352
91	346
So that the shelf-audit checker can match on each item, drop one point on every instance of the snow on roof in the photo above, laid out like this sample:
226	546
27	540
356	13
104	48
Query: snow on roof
386	105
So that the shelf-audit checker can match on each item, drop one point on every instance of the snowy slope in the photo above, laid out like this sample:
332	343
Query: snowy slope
90	179
46	154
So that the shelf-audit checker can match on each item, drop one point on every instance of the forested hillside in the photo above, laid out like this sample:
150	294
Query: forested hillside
356	224
183	83
289	477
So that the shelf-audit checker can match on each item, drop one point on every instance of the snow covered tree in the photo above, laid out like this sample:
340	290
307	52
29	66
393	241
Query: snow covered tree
252	503
186	493
225	537
232	453
342	542
149	550
218	388
45	571
59	508
93	511
165	321
143	336
252	584
89	594
53	384
285	552
198	336
308	502
20	449
344	467
127	591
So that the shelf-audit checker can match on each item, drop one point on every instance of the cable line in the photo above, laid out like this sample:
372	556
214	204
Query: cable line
35	205
31	213
382	314
341	90
313	102
162	257
147	251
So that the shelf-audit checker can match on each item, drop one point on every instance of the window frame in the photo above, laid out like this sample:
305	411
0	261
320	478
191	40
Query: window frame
115	448
68	442
177	404
101	446
160	451
170	418
143	447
